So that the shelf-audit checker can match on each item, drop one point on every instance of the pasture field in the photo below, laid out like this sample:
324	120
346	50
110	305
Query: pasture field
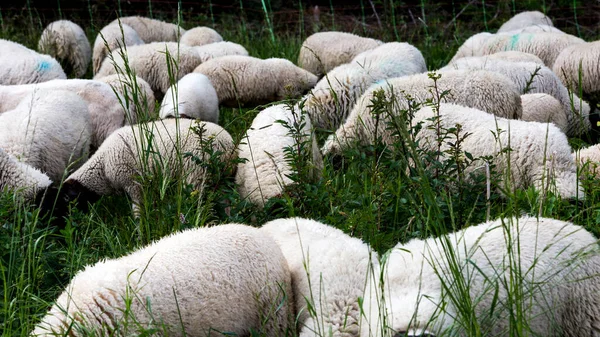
369	192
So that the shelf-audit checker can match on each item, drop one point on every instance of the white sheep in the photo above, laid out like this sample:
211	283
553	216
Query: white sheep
135	93
49	130
200	36
329	273
66	41
154	148
524	20
543	108
580	61
219	49
21	65
199	282
324	51
152	30
488	91
539	156
548	267
535	29
244	79
515	56
472	46
192	97
155	62
589	159
330	101
112	38
531	77
21	178
104	106
267	168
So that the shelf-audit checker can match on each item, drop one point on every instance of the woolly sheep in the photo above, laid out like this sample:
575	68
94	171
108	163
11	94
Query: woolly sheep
135	90
21	65
553	265
194	96
18	177
122	157
243	79
151	30
338	265
568	63
481	89
67	42
329	103
533	78
525	19
106	112
589	159
540	153
535	29
324	51
151	63
198	282
219	49
472	46
49	130
266	170
110	38
515	56
543	108
200	36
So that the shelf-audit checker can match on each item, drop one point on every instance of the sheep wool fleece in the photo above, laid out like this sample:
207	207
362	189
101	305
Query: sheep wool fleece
67	42
228	278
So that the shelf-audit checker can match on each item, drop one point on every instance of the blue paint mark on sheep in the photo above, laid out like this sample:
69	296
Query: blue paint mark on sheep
44	66
513	41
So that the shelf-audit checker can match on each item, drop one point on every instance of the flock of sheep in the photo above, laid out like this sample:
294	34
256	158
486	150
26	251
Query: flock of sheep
509	89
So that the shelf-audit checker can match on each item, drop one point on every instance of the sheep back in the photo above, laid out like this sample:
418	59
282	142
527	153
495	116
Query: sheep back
66	41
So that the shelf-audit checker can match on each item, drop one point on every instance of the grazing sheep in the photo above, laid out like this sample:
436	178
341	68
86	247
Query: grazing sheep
114	37
267	169
249	80
535	29
533	78
481	89
66	41
515	56
329	273
549	267
199	282
543	108
540	154
49	130
324	51
136	93
219	49
200	36
21	65
580	61
153	62
124	155
589	159
329	103
194	97
151	30
472	46
524	20
104	106
18	177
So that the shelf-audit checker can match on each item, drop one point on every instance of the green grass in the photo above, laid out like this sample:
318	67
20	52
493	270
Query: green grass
370	192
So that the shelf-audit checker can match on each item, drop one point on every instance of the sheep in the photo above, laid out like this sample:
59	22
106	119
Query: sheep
543	108
106	112
21	65
49	130
589	159
539	156
481	89
267	169
200	36
244	80
219	49
111	38
67	42
533	78
124	155
153	62
21	178
515	56
329	271
135	92
199	282
580	61
194	97
525	19
535	29
329	103
472	46
553	265
151	30
324	51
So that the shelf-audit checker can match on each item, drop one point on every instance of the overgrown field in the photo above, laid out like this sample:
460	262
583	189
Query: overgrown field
369	192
